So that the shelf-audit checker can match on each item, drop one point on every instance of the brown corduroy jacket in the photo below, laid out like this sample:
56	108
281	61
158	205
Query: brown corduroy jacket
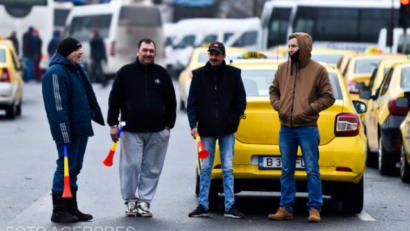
301	90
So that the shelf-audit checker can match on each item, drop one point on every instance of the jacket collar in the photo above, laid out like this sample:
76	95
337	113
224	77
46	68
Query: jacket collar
220	70
59	59
143	66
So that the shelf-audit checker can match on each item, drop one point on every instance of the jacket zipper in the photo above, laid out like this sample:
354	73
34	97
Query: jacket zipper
216	107
146	89
293	100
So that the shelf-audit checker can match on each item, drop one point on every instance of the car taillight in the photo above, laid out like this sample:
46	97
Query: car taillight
395	110
347	125
343	169
5	76
112	50
351	86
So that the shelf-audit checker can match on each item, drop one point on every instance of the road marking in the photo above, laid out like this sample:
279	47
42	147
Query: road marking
365	216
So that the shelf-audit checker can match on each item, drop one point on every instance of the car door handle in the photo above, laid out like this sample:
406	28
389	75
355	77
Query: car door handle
378	107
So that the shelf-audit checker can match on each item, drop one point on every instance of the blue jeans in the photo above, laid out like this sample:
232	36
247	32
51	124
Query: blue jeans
29	73
308	138
75	155
226	149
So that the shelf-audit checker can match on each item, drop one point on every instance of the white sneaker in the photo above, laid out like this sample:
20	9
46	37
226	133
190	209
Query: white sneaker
143	210
131	210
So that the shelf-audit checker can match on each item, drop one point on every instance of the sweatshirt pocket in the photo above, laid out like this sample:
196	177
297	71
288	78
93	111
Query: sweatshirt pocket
303	114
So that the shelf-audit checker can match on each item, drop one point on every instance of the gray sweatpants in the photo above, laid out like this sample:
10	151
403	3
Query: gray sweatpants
141	160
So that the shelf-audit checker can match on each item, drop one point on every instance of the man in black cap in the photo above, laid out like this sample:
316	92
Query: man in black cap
70	104
216	101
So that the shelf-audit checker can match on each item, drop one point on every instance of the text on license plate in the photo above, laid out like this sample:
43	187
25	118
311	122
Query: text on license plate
275	162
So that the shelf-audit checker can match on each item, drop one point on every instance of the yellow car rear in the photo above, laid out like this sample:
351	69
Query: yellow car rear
257	159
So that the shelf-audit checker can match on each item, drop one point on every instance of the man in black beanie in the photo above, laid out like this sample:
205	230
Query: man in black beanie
70	104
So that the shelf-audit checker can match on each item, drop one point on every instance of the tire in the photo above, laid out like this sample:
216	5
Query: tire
387	165
213	195
182	105
198	183
18	109
352	201
404	166
11	111
371	157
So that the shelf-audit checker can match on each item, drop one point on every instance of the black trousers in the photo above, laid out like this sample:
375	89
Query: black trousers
96	69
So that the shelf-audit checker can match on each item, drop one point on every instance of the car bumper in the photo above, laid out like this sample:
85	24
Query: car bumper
7	93
332	155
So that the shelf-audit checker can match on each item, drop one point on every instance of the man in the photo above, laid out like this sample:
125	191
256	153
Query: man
97	56
216	101
301	89
144	93
28	54
13	38
53	44
38	44
70	104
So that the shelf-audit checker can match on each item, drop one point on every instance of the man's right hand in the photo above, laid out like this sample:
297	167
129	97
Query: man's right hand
114	134
194	132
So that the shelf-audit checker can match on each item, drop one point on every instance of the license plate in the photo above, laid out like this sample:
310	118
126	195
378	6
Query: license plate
275	162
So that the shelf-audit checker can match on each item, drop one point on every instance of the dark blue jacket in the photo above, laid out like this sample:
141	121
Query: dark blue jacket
68	111
53	44
97	48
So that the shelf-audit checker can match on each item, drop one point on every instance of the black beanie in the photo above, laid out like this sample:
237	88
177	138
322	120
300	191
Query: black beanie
67	46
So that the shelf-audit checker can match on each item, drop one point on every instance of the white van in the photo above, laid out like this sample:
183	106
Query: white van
248	36
397	41
122	25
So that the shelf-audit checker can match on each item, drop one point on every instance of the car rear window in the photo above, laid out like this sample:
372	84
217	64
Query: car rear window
2	56
365	66
140	16
257	83
405	78
327	58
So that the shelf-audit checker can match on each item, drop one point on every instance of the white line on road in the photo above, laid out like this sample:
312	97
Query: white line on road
365	216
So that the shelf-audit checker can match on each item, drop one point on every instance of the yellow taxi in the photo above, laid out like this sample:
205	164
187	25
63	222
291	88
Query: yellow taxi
11	82
359	70
386	114
405	150
198	59
257	161
344	60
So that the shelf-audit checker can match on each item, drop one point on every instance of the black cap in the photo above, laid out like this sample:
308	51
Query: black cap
217	46
68	45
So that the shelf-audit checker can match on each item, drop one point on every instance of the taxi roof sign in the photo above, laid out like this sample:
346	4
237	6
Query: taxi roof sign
252	55
372	50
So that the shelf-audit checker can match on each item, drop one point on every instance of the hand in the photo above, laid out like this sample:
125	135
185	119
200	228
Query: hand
114	134
194	132
169	129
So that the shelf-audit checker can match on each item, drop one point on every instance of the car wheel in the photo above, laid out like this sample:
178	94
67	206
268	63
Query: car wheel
11	111
213	195
182	105
387	165
18	109
198	183
371	157
404	166
352	201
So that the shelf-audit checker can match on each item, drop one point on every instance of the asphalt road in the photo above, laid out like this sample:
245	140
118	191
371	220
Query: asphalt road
27	164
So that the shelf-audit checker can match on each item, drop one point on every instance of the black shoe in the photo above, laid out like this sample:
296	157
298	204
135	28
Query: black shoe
199	212
72	208
234	213
60	213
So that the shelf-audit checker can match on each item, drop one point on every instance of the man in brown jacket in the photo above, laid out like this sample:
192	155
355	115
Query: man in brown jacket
301	89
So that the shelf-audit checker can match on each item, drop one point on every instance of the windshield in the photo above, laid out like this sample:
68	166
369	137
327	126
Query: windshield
327	58
140	16
60	15
26	2
366	66
2	56
81	26
187	41
405	78
257	83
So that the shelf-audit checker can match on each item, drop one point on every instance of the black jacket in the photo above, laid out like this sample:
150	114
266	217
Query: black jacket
97	48
216	100
145	96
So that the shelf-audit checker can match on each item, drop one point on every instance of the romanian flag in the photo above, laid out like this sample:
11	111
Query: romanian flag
67	189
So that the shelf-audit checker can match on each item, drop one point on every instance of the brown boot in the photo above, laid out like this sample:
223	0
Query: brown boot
281	214
314	215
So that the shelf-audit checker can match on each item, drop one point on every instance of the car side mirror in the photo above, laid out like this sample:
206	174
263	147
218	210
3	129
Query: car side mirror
359	106
365	94
360	86
402	102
